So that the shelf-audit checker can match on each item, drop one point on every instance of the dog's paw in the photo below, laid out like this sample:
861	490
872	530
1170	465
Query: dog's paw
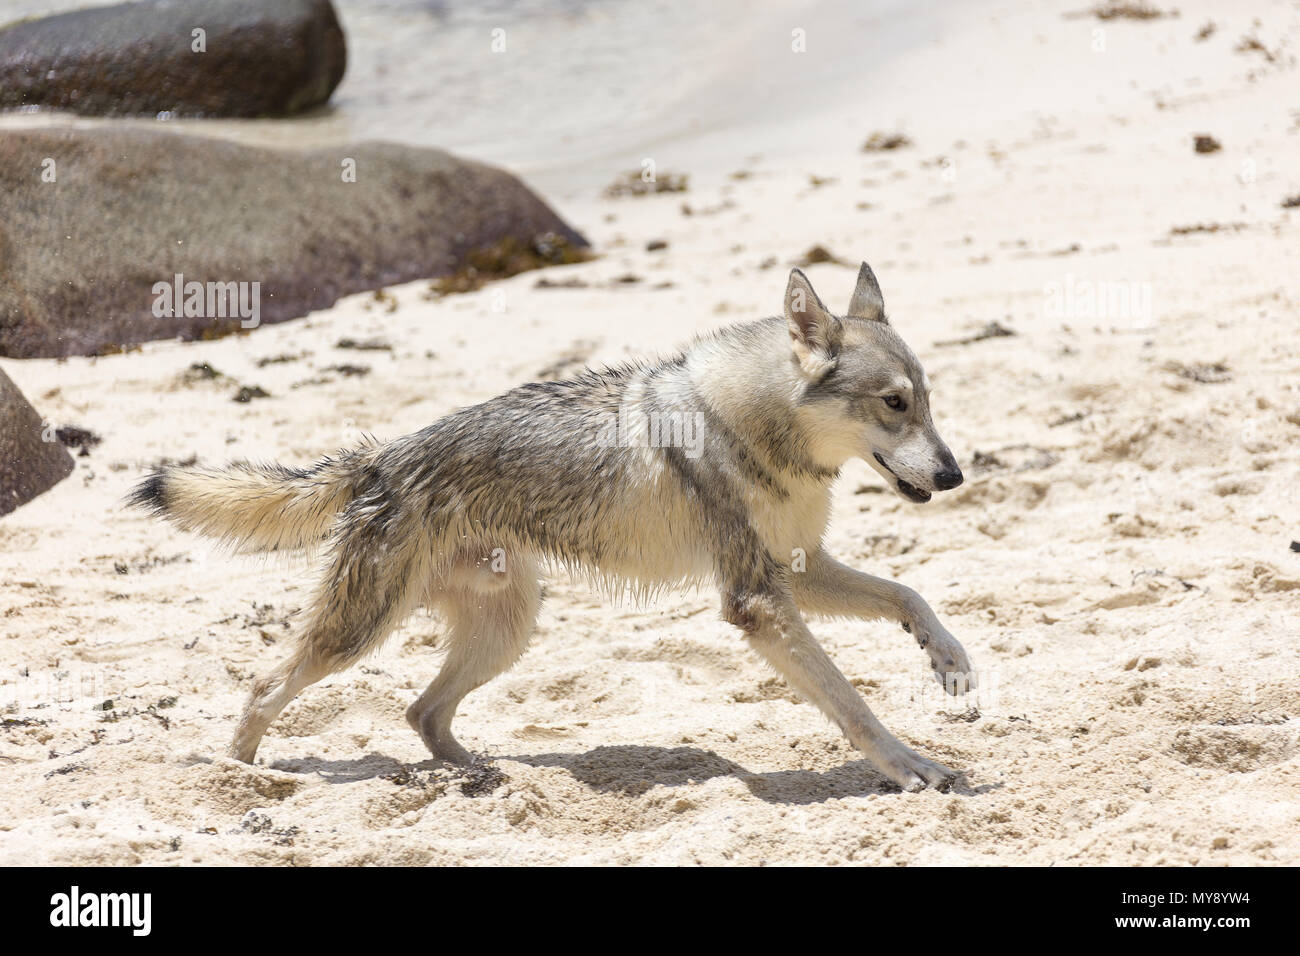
912	772
948	660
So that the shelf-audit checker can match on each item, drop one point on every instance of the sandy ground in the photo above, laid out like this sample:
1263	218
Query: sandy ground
1118	563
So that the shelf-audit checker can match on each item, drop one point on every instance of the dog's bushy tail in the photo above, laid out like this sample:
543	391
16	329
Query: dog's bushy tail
255	507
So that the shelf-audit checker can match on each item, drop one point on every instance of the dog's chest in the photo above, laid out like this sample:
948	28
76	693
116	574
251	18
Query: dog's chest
792	523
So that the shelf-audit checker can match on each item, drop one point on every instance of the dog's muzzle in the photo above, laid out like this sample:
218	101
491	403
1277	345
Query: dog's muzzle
905	488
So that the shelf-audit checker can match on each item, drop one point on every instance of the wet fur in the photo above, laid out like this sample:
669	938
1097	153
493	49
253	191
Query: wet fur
465	514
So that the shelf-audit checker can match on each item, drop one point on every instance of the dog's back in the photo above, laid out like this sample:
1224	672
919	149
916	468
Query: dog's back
622	473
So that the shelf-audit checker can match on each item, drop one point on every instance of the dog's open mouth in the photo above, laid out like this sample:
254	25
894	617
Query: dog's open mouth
906	489
912	493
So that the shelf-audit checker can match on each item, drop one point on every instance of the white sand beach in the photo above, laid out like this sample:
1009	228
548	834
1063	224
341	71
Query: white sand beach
1118	563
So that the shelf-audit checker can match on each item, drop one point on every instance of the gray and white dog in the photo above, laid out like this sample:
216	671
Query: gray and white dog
711	467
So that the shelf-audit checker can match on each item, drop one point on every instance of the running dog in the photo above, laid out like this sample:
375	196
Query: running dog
712	467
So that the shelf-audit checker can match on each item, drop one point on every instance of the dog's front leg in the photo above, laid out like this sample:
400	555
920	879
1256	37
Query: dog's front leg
766	612
833	589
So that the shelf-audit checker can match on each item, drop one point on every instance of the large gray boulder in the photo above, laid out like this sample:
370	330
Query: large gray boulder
259	58
28	463
82	258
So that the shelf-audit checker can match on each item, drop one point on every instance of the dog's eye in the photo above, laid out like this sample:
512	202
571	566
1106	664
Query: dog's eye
895	402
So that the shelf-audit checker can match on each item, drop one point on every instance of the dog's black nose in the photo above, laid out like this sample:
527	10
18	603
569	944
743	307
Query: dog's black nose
948	479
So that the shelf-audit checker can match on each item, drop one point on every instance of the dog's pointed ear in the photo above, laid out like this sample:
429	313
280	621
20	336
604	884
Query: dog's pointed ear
867	302
815	334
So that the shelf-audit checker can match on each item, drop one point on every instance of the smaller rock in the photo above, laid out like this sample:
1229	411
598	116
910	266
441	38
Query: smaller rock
29	464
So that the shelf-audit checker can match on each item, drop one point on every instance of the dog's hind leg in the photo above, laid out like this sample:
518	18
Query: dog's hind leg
491	617
271	694
366	592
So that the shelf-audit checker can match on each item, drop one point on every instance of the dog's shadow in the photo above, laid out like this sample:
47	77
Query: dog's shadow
633	770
